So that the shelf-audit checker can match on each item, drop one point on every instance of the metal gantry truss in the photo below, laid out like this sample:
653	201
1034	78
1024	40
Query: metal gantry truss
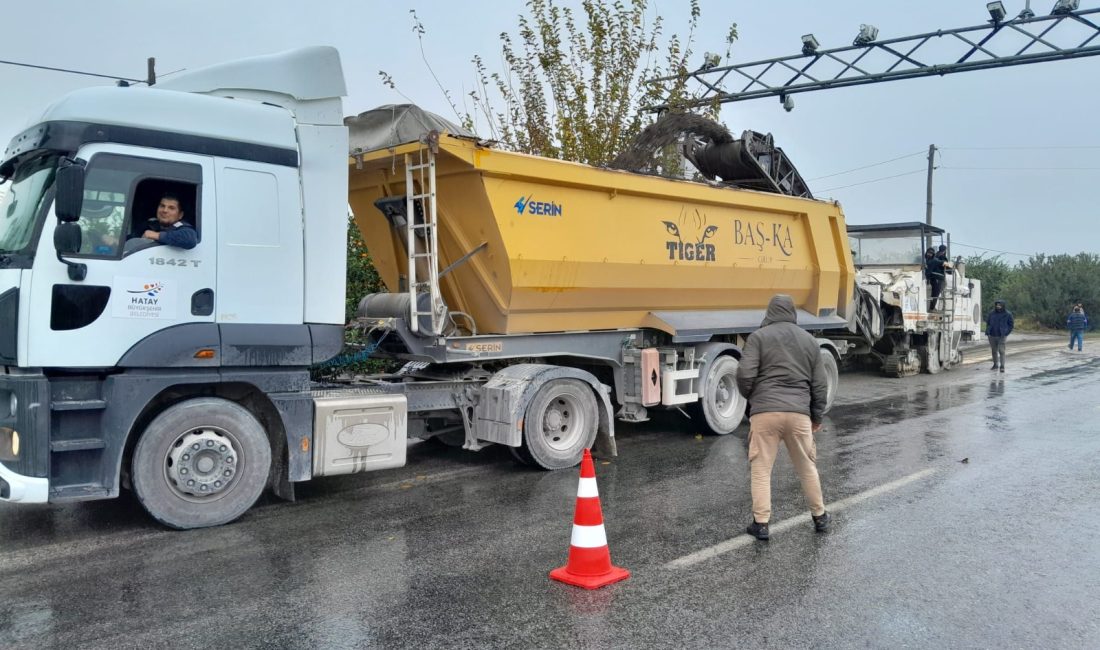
1036	39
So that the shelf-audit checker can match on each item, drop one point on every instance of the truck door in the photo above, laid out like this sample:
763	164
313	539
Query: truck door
260	244
134	287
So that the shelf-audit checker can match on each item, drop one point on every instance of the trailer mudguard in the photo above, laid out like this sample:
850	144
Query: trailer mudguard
498	415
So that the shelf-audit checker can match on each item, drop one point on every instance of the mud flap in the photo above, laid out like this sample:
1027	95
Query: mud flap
498	416
605	435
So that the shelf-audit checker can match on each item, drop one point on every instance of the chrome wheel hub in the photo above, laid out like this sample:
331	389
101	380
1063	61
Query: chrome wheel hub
202	463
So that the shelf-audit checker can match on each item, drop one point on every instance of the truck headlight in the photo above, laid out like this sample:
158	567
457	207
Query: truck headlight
15	443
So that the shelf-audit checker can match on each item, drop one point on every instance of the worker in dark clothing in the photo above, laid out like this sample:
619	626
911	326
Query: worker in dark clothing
783	377
998	325
933	272
1077	323
169	228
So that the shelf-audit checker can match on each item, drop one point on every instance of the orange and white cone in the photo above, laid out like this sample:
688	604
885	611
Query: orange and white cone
589	564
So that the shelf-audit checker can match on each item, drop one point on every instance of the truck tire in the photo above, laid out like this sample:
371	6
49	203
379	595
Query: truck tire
560	423
202	462
832	376
721	407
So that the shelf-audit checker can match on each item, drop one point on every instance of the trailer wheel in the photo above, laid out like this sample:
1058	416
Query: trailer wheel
202	462
560	423
721	407
832	376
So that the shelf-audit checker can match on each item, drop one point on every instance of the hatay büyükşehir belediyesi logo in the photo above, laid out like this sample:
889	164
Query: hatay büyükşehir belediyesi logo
150	289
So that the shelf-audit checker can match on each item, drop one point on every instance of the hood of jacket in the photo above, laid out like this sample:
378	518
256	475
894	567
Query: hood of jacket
780	310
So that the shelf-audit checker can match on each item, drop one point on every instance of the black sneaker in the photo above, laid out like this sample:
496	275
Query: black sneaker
757	530
994	367
821	522
1002	368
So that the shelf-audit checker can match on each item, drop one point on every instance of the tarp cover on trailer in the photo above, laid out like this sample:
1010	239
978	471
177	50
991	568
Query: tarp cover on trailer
393	124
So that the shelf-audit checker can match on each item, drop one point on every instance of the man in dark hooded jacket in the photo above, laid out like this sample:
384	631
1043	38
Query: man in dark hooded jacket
783	377
998	325
933	271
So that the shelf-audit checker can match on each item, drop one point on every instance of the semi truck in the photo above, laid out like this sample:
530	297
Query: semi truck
534	302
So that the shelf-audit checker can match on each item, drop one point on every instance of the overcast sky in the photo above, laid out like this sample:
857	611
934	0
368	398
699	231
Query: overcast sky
1021	147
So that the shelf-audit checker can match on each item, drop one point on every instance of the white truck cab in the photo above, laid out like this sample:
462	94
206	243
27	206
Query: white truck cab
103	331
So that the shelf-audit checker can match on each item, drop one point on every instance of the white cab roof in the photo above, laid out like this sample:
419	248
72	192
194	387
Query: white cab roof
308	81
176	112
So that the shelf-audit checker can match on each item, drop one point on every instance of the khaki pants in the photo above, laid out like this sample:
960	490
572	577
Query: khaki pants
794	429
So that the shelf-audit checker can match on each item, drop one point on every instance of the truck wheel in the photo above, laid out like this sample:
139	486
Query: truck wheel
832	376
721	407
560	423
202	462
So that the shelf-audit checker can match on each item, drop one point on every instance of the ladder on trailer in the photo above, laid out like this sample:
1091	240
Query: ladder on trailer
422	240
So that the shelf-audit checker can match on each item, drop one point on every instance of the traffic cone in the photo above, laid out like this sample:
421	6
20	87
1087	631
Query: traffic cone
589	564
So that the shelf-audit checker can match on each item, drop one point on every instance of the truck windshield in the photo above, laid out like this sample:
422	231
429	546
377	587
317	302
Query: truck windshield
22	202
886	249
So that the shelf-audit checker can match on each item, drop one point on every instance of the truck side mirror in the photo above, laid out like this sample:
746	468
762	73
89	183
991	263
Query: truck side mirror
67	239
70	189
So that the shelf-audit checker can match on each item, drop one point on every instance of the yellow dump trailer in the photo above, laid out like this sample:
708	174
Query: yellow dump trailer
541	245
539	300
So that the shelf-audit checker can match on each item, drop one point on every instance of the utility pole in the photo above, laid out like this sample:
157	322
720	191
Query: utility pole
928	207
151	72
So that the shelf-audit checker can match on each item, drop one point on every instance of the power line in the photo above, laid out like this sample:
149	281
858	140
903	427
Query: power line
918	171
1026	169
875	180
941	149
991	250
856	169
1016	148
68	71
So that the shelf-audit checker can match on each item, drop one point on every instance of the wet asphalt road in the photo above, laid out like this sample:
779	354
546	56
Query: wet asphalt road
453	550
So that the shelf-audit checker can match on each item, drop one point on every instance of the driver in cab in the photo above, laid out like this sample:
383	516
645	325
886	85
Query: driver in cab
168	226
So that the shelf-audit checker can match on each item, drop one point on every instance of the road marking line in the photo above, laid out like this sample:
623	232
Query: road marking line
787	524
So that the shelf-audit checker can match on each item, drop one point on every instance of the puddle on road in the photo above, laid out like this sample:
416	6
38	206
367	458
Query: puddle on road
895	408
917	402
1055	375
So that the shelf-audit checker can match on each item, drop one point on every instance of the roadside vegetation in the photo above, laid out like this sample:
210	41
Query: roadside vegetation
1040	291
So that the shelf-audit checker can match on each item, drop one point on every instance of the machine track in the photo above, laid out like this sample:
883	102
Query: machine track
906	364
